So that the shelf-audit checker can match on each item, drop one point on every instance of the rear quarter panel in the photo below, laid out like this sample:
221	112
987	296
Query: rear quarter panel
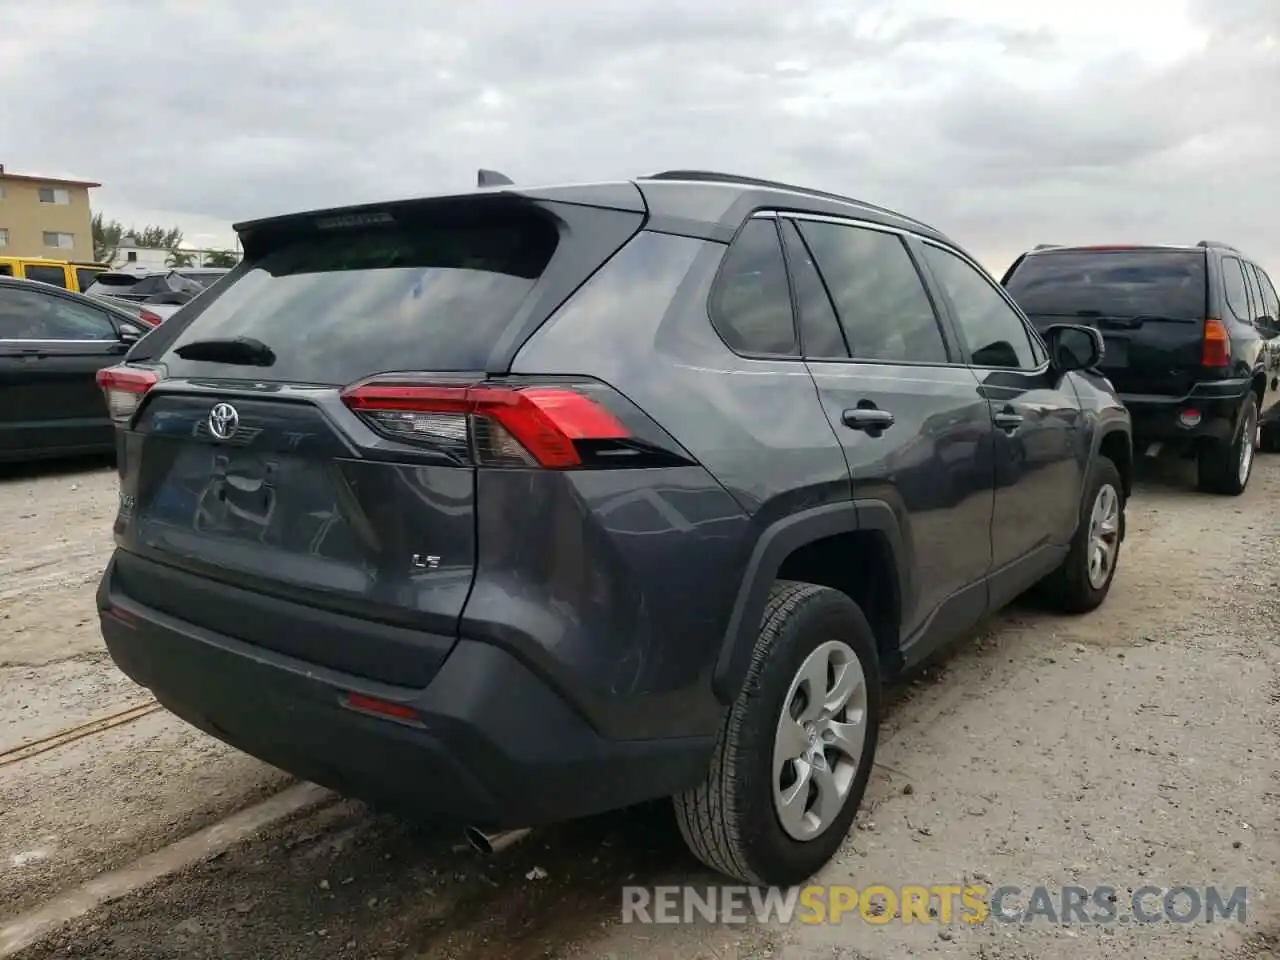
765	449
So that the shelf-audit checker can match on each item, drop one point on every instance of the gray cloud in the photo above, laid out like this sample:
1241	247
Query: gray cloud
219	112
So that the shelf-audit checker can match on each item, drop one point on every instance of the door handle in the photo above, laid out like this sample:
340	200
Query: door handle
1008	421
867	419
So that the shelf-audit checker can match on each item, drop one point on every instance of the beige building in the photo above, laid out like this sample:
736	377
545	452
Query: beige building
45	217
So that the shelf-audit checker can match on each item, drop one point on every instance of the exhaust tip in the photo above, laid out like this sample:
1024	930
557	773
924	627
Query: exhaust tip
479	840
491	843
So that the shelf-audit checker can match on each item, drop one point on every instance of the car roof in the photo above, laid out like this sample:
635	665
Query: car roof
21	283
697	203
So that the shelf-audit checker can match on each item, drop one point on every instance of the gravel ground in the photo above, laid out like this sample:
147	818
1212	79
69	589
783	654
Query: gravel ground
1133	746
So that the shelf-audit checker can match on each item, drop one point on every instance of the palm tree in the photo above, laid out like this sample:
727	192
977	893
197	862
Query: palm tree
220	258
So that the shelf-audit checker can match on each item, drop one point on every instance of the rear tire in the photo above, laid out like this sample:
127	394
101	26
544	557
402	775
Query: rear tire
1083	581
1225	468
739	821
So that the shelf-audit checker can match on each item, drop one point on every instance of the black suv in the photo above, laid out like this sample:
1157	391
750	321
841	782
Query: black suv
1192	340
520	505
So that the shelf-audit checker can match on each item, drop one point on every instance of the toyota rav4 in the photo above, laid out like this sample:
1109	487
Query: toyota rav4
515	506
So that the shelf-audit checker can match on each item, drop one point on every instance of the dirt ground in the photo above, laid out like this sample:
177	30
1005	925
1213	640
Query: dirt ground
1134	746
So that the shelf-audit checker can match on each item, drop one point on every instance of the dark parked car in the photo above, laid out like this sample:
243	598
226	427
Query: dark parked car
1192	343
519	505
154	297
52	344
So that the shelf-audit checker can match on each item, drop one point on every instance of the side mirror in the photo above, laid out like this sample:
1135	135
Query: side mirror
129	333
1073	347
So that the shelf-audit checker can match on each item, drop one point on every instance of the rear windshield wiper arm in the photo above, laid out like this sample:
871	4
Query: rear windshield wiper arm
241	350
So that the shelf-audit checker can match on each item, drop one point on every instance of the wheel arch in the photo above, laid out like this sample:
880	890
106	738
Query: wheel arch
803	546
1116	444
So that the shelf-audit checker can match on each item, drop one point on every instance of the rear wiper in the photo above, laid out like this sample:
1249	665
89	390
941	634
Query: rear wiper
242	350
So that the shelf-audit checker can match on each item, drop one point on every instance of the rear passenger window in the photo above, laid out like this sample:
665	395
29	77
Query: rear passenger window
994	331
1234	288
820	334
54	276
751	302
1255	295
882	304
1270	302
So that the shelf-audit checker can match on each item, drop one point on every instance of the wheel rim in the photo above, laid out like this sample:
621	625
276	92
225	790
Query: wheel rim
819	741
1104	535
1248	437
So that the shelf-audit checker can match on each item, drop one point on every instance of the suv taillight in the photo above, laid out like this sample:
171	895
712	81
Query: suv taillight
124	388
529	426
1216	348
146	316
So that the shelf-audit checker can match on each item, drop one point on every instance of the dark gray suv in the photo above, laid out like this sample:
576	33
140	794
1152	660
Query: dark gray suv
520	505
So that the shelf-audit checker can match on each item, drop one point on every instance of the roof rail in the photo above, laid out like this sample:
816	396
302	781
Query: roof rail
1218	244
710	176
1046	246
492	178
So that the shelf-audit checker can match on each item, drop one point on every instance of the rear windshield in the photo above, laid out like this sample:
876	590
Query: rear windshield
1112	283
203	279
343	305
116	280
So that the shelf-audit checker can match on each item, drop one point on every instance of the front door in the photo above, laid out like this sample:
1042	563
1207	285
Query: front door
1039	430
907	411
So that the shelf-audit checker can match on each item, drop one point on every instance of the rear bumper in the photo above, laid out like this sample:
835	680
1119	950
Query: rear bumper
1160	418
493	746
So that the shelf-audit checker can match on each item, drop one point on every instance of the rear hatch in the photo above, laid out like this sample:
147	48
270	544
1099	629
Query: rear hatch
110	284
266	498
1149	303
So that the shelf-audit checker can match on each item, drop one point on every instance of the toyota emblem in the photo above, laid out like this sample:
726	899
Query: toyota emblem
223	421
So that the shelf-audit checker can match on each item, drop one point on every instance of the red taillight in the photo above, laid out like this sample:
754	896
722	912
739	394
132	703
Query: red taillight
1216	349
124	388
529	426
146	316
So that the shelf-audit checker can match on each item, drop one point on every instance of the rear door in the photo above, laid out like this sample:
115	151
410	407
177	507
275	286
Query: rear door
915	429
250	470
1266	321
52	348
1040	455
1149	304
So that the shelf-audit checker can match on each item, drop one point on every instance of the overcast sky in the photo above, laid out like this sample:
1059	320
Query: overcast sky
1003	122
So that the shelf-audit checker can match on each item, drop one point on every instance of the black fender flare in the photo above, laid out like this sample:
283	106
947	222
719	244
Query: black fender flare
778	541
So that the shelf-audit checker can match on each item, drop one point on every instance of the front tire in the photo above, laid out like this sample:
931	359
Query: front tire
1083	581
795	752
1225	468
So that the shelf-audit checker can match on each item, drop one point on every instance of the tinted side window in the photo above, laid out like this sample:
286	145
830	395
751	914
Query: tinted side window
995	333
54	276
881	301
1255	296
751	302
820	334
1234	289
28	315
85	277
1270	302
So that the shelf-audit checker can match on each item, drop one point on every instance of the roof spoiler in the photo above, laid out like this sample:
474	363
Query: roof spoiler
492	178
